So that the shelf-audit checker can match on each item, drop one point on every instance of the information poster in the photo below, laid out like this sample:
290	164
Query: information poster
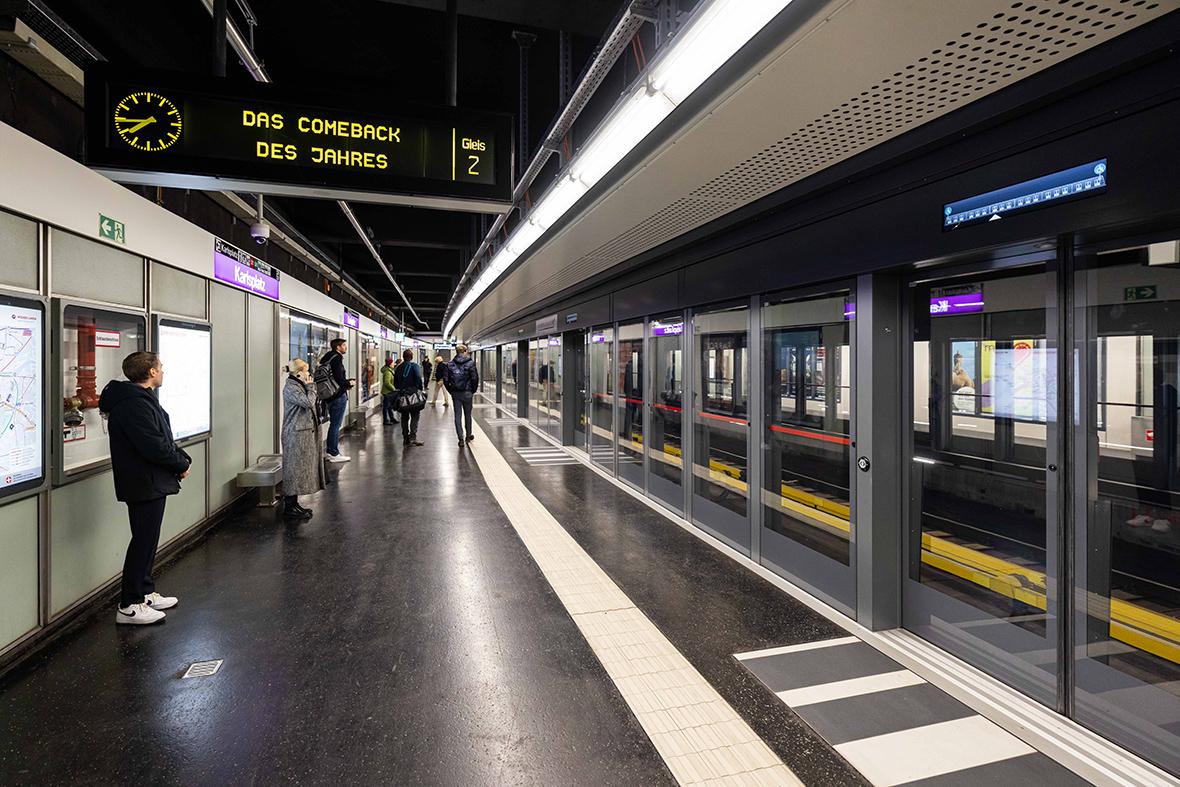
21	375
186	351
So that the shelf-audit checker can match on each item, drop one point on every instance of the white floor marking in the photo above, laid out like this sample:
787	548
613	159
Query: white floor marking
853	687
700	737
932	750
823	643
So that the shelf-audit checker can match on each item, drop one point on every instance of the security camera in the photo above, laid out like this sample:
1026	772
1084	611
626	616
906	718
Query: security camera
260	232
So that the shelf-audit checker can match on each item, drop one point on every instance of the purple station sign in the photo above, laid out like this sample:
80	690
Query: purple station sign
956	300
351	319
667	328
244	271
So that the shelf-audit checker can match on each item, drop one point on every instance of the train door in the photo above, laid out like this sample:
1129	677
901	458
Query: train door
664	446
1126	634
536	388
982	543
721	424
807	347
602	404
629	408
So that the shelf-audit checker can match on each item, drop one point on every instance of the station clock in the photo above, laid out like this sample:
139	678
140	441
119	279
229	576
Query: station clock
147	121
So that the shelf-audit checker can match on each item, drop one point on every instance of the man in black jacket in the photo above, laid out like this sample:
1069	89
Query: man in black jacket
338	404
462	380
148	466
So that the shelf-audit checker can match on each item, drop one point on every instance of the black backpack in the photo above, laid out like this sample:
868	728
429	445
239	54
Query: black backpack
326	386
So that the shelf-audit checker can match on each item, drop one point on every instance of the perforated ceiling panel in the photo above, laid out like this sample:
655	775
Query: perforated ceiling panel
859	95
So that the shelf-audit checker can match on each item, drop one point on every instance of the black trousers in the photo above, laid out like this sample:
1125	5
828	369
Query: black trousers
146	518
389	407
410	424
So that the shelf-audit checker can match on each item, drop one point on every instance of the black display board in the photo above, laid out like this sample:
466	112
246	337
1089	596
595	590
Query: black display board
209	130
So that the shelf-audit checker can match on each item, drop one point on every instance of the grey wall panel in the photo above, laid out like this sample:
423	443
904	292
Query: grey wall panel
650	297
588	313
88	269
18	251
187	508
227	444
18	569
177	292
88	537
262	371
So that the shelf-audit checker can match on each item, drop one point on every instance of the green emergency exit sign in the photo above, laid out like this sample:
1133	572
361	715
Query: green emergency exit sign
1143	293
111	230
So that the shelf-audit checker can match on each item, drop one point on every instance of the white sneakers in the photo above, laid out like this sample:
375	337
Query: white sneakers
339	458
138	615
156	601
147	612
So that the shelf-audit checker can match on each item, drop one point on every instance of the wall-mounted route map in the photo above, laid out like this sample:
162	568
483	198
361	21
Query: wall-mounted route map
21	374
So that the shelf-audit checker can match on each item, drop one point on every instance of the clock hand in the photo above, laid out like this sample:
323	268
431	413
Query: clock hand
140	125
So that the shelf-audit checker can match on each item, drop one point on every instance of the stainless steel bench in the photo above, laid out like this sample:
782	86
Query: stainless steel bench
265	475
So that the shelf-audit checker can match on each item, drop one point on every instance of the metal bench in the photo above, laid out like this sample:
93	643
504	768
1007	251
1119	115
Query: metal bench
265	475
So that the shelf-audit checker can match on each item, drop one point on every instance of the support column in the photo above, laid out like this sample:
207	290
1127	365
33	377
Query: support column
877	453
523	370
572	347
452	42
499	374
525	42
220	17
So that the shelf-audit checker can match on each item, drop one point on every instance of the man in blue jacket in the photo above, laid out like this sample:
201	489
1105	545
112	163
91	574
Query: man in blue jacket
148	466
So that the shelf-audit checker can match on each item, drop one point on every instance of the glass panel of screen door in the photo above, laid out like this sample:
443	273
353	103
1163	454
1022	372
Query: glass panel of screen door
721	424
1127	547
629	402
982	542
665	456
602	431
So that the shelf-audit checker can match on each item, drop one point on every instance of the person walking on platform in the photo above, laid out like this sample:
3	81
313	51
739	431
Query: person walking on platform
303	468
462	380
427	368
332	386
440	380
147	466
388	392
411	396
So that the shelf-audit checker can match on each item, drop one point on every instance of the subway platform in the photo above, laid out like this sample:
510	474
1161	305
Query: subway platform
465	616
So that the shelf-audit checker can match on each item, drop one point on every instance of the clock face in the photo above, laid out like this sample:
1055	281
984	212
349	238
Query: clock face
147	121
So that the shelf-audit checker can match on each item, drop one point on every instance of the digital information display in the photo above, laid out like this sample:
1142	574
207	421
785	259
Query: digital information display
1081	181
186	350
217	132
22	375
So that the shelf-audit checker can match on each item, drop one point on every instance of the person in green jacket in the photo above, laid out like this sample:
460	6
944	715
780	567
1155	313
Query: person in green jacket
388	393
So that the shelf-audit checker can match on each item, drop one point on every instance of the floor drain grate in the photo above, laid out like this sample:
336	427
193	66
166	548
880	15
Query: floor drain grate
202	669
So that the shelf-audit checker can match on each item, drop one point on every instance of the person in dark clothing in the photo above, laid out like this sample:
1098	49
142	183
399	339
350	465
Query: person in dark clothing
407	379
462	380
427	369
147	466
338	404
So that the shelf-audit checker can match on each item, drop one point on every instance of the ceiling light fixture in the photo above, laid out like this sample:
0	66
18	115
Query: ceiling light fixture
716	31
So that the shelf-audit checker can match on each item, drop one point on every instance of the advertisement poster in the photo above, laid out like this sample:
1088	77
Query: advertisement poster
964	371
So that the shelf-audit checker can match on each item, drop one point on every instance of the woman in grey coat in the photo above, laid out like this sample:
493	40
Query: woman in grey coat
303	469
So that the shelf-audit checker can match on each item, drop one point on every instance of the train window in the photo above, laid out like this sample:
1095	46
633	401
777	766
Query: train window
1127	547
808	363
981	542
721	431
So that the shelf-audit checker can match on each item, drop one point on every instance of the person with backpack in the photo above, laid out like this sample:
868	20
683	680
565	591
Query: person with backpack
410	396
462	380
440	382
332	386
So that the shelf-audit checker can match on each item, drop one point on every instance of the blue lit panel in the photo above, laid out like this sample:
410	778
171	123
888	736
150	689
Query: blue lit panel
1081	181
